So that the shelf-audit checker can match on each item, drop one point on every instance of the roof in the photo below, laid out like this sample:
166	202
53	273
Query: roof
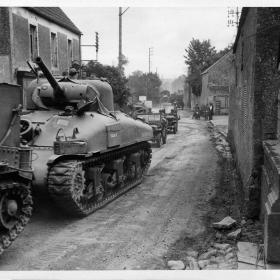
209	68
242	19
56	15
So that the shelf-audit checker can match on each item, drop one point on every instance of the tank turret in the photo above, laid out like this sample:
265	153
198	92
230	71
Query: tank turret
58	91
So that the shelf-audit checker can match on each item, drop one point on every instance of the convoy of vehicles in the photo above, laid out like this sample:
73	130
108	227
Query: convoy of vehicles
71	144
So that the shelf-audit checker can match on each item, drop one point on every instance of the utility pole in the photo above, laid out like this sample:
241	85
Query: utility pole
120	36
233	17
150	54
148	76
96	45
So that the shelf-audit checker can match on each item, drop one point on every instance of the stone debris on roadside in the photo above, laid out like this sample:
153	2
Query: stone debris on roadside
203	263
222	146
208	254
218	256
176	265
218	235
193	264
192	253
234	234
221	246
225	223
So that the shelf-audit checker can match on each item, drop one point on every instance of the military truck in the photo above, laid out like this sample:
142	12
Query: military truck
158	123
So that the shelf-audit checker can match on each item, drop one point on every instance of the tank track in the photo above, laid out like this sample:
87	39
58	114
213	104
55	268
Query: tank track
22	191
60	174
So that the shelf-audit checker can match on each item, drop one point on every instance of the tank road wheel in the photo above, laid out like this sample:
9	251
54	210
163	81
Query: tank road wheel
158	140
72	190
15	211
146	157
80	188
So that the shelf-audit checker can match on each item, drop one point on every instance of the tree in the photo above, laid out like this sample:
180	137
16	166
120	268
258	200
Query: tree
147	84
116	79
199	56
136	84
153	87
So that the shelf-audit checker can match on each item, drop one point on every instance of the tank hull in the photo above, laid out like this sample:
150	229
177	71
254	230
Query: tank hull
101	134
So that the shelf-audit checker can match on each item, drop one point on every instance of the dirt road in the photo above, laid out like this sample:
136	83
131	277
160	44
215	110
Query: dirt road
136	230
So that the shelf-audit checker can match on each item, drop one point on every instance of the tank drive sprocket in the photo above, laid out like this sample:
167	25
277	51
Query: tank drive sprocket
16	207
81	187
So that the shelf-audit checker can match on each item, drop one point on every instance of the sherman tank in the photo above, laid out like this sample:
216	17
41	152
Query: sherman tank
15	169
85	154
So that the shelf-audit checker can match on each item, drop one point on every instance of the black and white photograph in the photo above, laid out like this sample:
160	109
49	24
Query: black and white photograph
139	140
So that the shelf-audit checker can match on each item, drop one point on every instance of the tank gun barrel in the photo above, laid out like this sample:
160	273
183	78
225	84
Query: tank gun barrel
58	91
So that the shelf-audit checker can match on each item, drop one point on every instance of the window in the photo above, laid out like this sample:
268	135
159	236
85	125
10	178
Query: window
53	50
70	53
33	42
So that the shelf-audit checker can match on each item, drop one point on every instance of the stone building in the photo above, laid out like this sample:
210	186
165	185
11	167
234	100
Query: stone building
216	81
36	31
254	118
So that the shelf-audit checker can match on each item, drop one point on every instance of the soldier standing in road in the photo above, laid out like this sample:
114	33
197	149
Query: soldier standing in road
211	108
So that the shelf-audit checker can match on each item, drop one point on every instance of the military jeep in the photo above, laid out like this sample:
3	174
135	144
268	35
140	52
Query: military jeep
158	123
171	115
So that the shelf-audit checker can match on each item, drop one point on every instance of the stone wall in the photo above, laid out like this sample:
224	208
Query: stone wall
241	112
253	99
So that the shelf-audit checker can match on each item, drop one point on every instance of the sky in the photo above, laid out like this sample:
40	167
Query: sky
167	30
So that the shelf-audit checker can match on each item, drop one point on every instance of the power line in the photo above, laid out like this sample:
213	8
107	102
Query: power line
233	17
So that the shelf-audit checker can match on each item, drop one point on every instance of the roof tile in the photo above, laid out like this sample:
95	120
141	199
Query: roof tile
56	15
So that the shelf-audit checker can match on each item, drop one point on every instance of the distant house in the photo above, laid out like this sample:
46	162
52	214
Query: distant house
28	32
216	81
254	118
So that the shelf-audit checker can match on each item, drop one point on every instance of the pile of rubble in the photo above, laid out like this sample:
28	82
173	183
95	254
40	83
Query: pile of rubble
218	256
221	145
226	253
